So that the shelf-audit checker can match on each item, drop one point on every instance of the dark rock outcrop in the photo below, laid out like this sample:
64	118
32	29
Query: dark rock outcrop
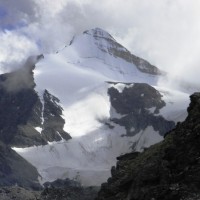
134	104
16	170
169	170
21	113
21	110
15	109
53	122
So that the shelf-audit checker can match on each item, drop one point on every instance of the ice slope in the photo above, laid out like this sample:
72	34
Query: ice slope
176	104
88	158
78	76
93	50
94	147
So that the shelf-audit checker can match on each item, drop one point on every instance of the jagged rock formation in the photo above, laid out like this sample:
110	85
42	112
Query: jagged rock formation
53	122
169	170
43	124
139	105
21	112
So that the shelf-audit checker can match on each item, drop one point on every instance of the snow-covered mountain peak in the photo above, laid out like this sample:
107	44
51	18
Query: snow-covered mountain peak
105	93
99	33
99	44
96	42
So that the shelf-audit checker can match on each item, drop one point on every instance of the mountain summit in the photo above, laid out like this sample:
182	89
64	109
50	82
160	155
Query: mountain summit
100	44
99	33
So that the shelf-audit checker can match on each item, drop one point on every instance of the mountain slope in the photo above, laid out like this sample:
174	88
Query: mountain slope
167	170
77	74
89	157
96	79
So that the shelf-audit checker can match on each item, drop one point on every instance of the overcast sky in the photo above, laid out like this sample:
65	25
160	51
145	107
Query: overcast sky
165	32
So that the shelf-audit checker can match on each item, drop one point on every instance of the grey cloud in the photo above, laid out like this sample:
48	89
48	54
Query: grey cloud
21	78
18	12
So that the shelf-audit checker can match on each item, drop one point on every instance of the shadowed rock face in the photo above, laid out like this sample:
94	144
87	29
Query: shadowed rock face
21	111
169	170
134	104
15	109
15	170
53	122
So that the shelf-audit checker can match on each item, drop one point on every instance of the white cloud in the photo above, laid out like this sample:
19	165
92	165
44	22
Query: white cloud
166	32
14	49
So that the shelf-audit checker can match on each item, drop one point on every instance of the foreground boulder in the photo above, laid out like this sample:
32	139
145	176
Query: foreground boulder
169	170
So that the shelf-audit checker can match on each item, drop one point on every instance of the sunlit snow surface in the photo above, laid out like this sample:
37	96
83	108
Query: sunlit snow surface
78	76
88	158
176	104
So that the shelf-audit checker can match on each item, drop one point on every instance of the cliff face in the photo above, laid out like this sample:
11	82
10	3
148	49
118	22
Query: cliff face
11	173
134	104
25	120
165	171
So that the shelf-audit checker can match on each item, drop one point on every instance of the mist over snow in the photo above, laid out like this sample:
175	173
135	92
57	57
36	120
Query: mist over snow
166	33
